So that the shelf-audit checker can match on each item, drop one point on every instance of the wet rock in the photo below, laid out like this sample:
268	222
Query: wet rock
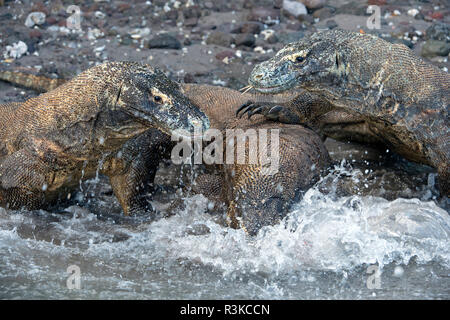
313	4
278	4
189	78
437	16
245	39
432	48
220	38
16	50
163	41
438	31
264	15
306	18
35	18
294	8
139	33
331	24
419	16
405	42
269	36
357	8
51	21
35	34
192	12
324	13
413	12
187	42
126	40
252	27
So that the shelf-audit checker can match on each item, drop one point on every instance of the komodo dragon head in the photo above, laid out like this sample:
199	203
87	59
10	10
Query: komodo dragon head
148	95
313	59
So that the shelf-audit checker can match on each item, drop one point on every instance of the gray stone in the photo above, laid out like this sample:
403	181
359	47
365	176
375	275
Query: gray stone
432	48
245	39
438	31
249	27
220	38
294	8
35	18
324	13
164	41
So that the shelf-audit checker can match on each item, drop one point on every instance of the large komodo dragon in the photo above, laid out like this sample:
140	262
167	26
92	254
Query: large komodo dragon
398	98
254	198
97	121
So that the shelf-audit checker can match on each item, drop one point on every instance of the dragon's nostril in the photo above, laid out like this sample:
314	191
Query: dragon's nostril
258	76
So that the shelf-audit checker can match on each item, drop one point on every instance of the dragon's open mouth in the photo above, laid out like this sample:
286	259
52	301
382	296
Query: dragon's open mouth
274	89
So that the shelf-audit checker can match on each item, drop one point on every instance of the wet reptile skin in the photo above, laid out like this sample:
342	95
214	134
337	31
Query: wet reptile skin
98	121
403	100
253	199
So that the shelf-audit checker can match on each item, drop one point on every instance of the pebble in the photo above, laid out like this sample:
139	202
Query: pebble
249	27
164	41
331	24
35	18
245	39
438	31
432	48
139	33
17	50
220	38
323	13
267	33
294	8
413	12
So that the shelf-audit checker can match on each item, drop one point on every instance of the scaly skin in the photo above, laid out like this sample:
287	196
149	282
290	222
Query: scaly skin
97	121
256	199
253	199
403	100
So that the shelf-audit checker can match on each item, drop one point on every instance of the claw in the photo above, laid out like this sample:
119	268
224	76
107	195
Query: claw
244	106
275	109
255	111
247	109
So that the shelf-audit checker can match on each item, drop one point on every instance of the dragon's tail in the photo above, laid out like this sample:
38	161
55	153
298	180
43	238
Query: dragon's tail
31	81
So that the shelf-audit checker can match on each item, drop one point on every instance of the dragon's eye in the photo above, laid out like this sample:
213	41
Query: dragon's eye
299	59
157	98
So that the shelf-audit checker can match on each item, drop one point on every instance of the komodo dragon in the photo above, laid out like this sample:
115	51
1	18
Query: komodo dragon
403	100
253	199
96	122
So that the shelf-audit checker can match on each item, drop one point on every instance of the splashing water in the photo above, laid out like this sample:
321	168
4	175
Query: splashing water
322	249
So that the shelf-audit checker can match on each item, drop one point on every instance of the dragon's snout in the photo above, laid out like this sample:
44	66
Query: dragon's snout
272	77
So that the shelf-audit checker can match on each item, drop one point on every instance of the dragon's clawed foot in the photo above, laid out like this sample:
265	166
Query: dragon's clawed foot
251	108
